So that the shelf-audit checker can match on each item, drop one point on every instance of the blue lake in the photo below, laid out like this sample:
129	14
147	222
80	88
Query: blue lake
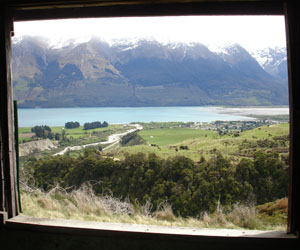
59	116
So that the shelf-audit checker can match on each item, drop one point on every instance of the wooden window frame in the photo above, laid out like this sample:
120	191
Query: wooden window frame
59	9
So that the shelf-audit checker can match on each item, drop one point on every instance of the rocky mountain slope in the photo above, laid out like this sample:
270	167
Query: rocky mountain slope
143	73
273	60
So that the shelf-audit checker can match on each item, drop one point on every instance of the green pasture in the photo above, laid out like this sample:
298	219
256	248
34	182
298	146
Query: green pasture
24	130
168	136
166	142
267	131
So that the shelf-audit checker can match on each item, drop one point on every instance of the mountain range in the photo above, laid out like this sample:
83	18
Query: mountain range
145	73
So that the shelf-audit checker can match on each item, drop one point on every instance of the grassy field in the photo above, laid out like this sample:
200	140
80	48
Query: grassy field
267	131
163	137
75	133
166	142
171	141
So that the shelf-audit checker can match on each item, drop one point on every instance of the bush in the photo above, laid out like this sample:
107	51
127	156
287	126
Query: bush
132	139
244	216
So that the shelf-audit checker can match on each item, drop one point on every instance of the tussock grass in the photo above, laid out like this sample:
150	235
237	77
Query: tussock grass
245	216
83	204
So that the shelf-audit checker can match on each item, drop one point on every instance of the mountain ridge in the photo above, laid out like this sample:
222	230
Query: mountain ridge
141	73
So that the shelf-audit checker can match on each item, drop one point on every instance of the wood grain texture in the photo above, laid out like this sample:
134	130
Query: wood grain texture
293	51
8	162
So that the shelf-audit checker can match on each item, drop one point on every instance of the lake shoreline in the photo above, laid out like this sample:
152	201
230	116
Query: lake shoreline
252	111
124	115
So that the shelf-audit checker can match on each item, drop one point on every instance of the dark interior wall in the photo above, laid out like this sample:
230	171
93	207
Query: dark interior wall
7	161
43	238
149	8
293	49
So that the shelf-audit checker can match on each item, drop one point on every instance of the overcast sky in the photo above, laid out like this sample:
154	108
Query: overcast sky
251	32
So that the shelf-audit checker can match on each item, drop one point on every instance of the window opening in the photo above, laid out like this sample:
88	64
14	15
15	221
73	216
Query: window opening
103	140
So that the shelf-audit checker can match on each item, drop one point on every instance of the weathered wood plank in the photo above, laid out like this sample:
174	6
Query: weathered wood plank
106	228
8	162
153	9
2	193
64	234
3	217
2	107
293	41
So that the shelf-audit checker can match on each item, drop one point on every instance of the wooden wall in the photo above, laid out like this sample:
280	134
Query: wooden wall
53	238
293	43
9	200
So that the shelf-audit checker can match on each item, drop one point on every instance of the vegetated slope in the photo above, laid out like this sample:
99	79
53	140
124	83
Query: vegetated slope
83	204
71	137
167	142
146	73
190	188
212	183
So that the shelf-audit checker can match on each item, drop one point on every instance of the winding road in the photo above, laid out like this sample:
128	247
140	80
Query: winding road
112	139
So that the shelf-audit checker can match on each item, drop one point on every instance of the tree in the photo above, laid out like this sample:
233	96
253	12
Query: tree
70	125
57	136
132	139
191	188
63	134
93	125
42	131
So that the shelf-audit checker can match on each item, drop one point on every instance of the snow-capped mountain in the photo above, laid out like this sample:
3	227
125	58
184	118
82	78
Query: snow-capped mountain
140	73
272	60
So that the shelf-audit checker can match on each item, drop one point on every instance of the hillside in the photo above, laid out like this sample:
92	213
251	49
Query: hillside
170	142
180	172
145	73
190	187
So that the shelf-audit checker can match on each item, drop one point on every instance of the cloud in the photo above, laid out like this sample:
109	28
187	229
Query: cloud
252	32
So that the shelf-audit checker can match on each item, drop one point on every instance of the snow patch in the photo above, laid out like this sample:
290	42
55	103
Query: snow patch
62	43
269	56
218	49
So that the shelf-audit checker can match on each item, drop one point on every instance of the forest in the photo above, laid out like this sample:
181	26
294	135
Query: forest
190	187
